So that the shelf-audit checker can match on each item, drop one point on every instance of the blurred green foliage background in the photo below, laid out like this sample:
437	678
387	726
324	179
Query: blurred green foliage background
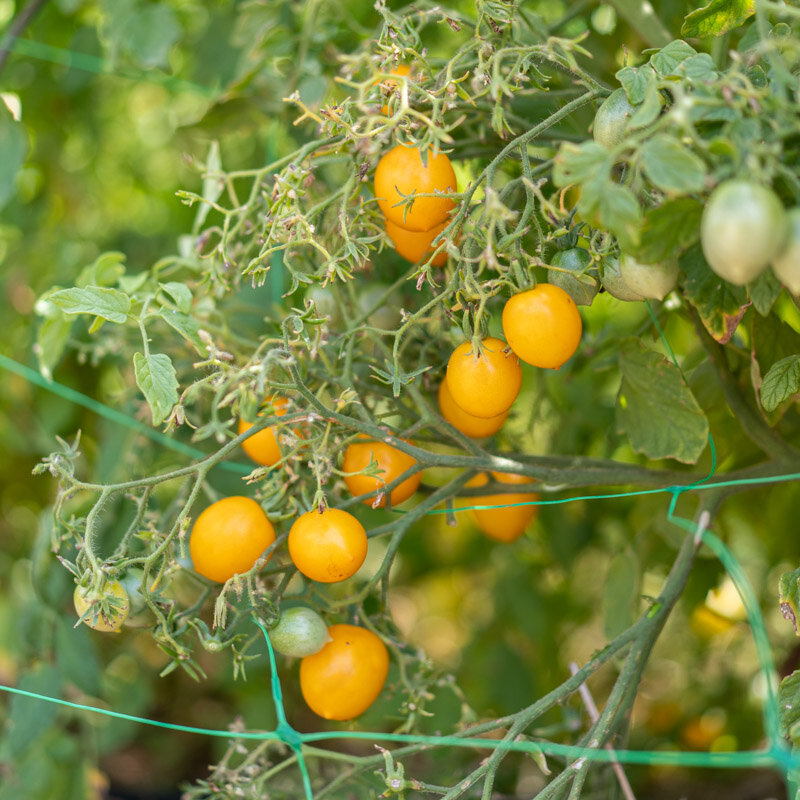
117	99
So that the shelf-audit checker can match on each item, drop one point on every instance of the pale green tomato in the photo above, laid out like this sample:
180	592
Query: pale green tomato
614	283
743	229
386	316
108	608
579	285
611	119
325	303
786	265
655	281
300	632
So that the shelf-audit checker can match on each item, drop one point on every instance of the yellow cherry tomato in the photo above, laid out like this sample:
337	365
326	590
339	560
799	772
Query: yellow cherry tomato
328	546
503	524
484	383
103	615
263	446
415	246
229	537
344	679
400	173
542	325
391	463
389	84
469	425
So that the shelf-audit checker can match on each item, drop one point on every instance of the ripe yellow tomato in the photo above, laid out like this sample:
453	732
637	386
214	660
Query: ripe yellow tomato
263	446
400	173
503	524
104	615
485	383
391	463
542	325
328	546
475	427
345	678
228	537
415	246
391	85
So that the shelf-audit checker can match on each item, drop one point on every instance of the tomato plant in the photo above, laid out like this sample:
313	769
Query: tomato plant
744	228
503	524
542	326
413	246
328	545
263	445
392	463
346	676
469	425
228	537
401	173
104	609
485	381
300	632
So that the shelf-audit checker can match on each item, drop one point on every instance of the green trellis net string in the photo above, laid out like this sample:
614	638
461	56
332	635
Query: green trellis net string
776	754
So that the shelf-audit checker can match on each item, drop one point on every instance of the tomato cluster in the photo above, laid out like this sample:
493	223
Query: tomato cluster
412	227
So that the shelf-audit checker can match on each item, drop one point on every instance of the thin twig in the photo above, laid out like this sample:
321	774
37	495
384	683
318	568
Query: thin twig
594	715
20	22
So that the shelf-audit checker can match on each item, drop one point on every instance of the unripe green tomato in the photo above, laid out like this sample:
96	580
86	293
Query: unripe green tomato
106	620
386	316
580	286
614	283
743	229
786	264
325	303
611	119
300	632
655	281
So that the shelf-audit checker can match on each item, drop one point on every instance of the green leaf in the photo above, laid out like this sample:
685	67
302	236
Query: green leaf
186	327
615	208
721	305
718	17
180	294
77	656
668	230
672	167
144	32
579	163
656	409
772	340
106	270
29	718
155	376
649	110
667	60
51	339
698	69
635	81
789	707
764	291
781	382
789	599
13	149
620	592
109	304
